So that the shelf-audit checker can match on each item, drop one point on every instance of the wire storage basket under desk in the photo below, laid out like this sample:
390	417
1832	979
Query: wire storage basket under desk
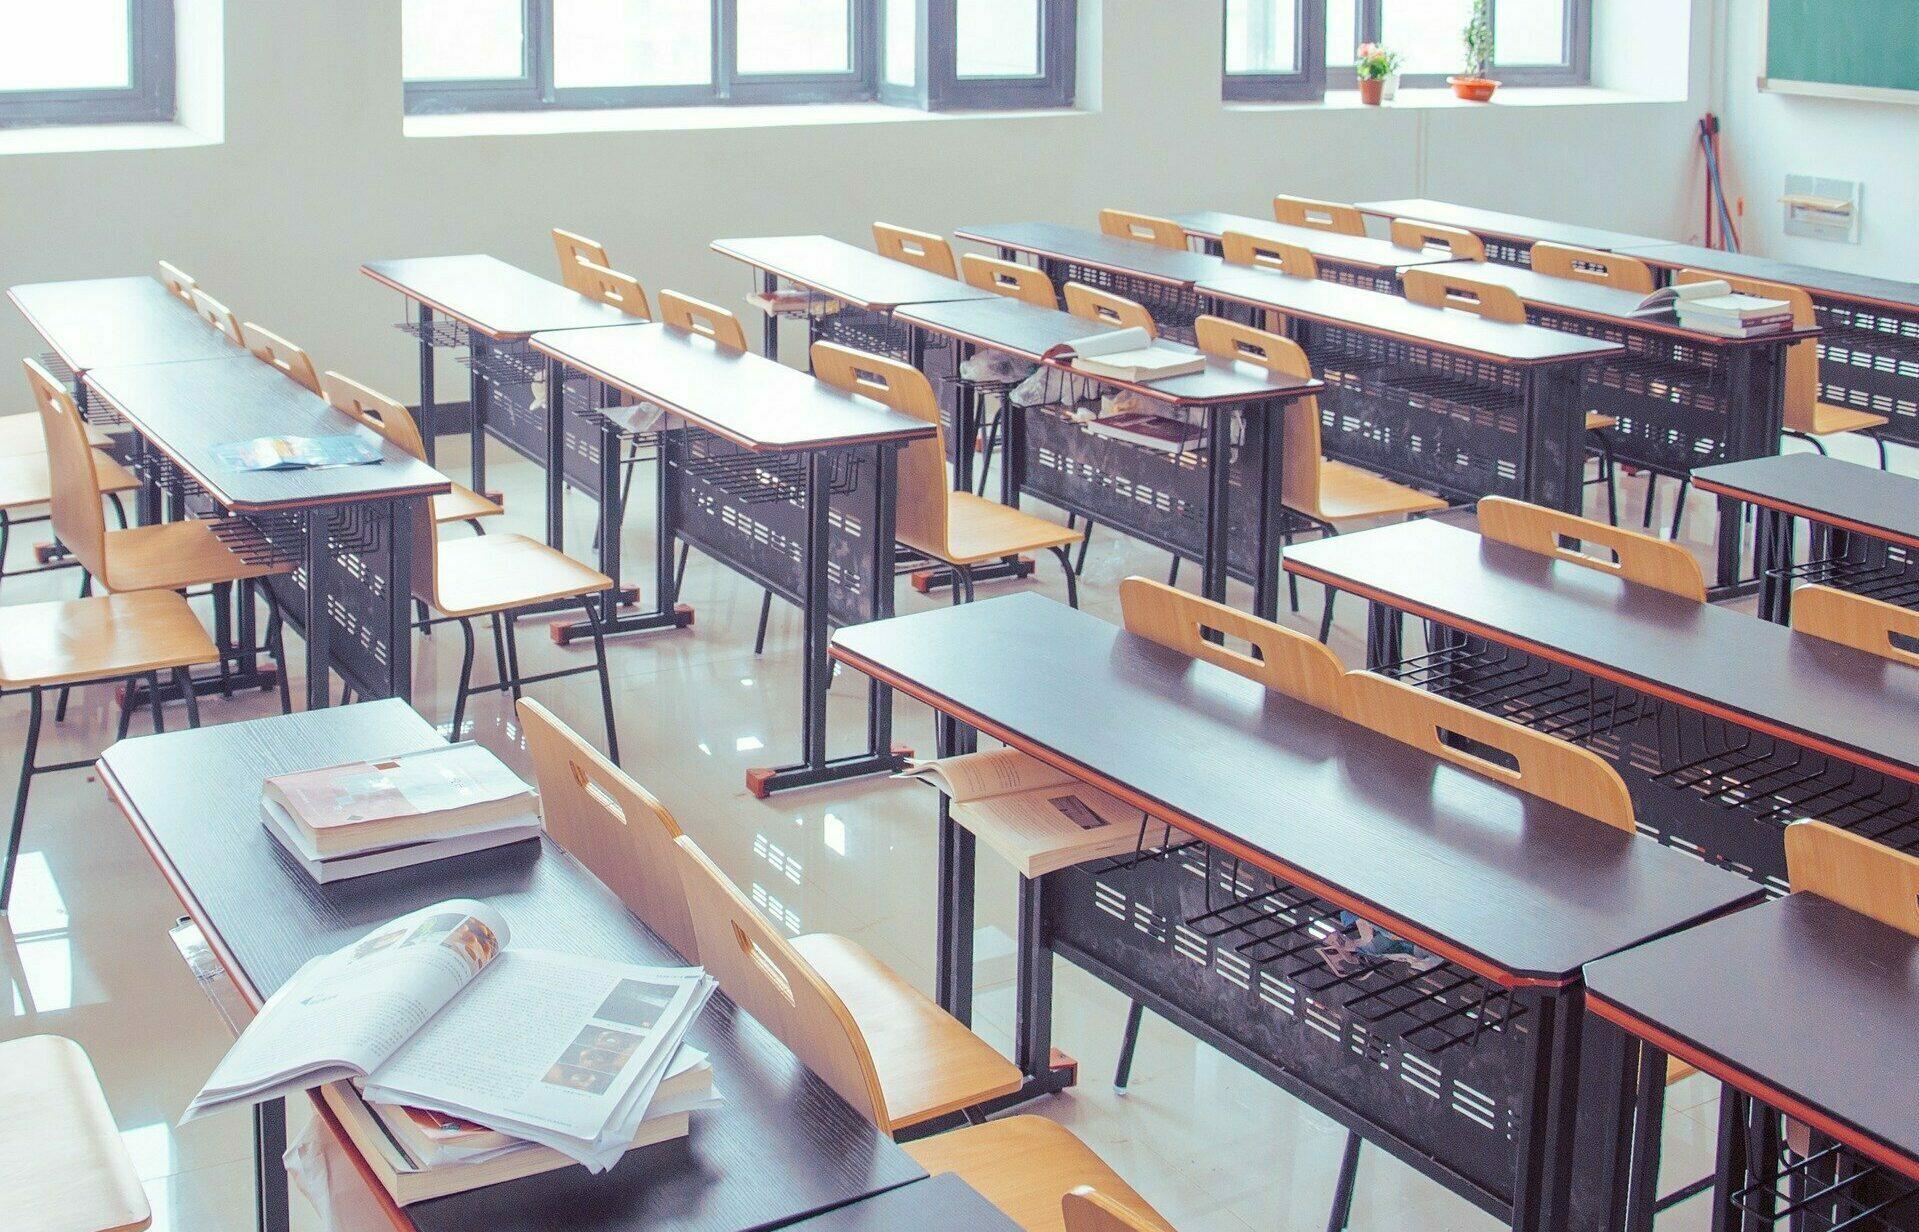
1869	361
1831	1188
1888	572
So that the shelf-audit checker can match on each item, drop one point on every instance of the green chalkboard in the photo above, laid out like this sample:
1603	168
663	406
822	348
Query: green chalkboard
1871	44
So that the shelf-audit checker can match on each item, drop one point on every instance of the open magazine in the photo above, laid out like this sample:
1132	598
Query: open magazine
433	1011
1037	818
1128	355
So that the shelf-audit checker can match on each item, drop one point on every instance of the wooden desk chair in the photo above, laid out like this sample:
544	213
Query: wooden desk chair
1420	236
1146	228
922	249
1319	215
218	315
178	281
886	1047
1461	293
958	529
573	249
1606	269
26	482
711	320
270	348
1807	418
1025	283
1109	309
63	1167
1040	1175
1290	259
1088	1210
394	422
1854	620
611	287
1626	554
1323	494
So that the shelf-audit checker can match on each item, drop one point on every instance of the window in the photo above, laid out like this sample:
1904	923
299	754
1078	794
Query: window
481	55
87	62
1272	49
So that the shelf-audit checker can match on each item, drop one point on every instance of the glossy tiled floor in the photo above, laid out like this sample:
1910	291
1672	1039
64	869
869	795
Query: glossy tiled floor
85	952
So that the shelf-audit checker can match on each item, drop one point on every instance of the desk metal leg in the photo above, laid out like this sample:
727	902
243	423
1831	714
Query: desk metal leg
953	963
1219	473
556	460
478	396
1385	630
1774	541
316	623
1735	1166
1267	423
1541	1184
398	593
426	381
271	1211
770	327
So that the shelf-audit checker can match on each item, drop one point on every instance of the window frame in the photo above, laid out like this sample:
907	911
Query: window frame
1575	71
1307	83
147	98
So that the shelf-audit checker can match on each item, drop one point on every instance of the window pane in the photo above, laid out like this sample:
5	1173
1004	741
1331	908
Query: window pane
902	42
1429	33
72	45
997	38
1342	32
461	40
795	36
632	43
1529	31
1262	36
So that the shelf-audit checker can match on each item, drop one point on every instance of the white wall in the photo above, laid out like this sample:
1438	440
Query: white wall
314	174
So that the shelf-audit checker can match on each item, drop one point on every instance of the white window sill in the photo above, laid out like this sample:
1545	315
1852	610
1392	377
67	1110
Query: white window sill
1446	100
673	119
85	138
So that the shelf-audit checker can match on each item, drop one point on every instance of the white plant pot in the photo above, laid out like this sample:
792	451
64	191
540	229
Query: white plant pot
1390	89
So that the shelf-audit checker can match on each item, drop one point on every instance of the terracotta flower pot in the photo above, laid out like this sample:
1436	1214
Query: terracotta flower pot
1372	90
1473	89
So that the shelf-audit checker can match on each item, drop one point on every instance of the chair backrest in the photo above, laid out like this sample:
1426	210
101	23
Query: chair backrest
1485	299
1853	871
1086	1209
216	314
1109	309
374	409
763	974
1802	357
178	281
1419	236
1146	228
1608	269
1320	215
685	312
611	287
1009	278
73	506
270	348
918	248
1542	765
1288	661
1242	249
1639	557
1871	625
1299	481
572	250
920	517
610	824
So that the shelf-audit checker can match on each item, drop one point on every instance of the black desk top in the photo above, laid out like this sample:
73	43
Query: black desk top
756	403
188	410
1807	690
1879	503
1506	226
110	322
782	1147
1360	250
1889	291
1097	249
487	295
1516	888
1800	1002
1006	324
943	1203
1375	312
848	273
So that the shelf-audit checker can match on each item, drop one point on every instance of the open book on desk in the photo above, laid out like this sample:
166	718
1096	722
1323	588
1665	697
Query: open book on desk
434	1011
1037	818
1127	355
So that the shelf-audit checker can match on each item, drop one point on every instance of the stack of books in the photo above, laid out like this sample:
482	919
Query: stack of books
1715	308
368	817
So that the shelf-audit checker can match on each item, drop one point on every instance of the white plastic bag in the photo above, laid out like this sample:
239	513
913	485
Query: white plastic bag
320	1170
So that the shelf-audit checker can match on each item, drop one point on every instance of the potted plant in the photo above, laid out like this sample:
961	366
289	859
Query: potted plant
1473	85
1378	65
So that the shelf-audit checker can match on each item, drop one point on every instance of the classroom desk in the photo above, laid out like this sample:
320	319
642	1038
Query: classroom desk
1864	521
1869	340
1725	728
346	530
1177	502
1802	1008
1355	260
116	322
1682	398
1159	278
781	1148
1509	237
1438	399
781	478
1467	1074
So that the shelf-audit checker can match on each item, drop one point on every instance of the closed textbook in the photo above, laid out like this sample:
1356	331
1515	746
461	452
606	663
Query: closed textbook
449	789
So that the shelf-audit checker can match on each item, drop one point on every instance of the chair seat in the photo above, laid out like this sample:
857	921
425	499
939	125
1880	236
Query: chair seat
501	573
463	504
173	556
1596	422
26	481
70	641
1348	494
978	529
928	1062
24	434
1024	1165
63	1167
1828	419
